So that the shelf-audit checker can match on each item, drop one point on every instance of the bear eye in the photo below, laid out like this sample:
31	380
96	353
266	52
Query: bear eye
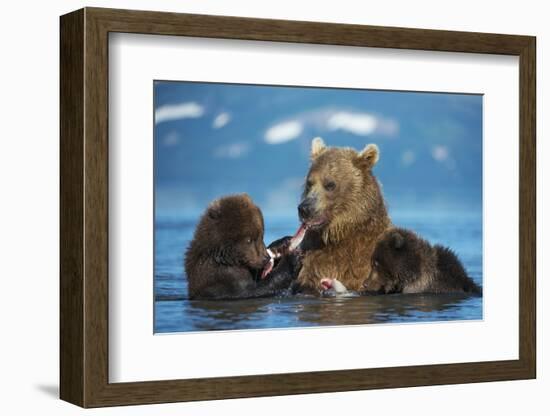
309	184
375	263
329	185
249	240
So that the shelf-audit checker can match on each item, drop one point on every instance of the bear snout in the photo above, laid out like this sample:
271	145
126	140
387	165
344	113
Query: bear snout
306	209
372	283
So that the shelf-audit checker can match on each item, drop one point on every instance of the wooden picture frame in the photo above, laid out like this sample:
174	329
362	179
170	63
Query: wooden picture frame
84	207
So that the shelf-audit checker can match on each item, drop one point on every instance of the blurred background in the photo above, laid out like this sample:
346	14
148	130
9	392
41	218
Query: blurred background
216	139
213	139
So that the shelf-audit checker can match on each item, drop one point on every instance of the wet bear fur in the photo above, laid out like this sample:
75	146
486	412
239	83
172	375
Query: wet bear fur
227	254
403	262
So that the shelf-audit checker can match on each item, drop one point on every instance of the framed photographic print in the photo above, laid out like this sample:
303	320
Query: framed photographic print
256	207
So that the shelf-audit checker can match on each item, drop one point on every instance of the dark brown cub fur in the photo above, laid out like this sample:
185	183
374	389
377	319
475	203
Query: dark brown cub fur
403	262
227	253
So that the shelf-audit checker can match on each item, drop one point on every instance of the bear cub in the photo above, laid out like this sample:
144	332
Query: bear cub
403	262
227	254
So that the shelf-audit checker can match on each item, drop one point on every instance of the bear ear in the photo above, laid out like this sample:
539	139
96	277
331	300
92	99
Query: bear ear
369	156
215	210
398	241
318	146
246	198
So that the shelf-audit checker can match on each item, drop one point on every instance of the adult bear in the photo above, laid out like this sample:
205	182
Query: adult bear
343	206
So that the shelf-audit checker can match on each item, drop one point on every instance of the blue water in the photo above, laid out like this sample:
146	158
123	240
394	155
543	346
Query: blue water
175	313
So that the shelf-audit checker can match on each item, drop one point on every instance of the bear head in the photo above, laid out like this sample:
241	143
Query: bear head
340	191
233	227
396	261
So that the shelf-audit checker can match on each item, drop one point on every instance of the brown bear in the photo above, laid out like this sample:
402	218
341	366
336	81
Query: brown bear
227	254
341	204
405	263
